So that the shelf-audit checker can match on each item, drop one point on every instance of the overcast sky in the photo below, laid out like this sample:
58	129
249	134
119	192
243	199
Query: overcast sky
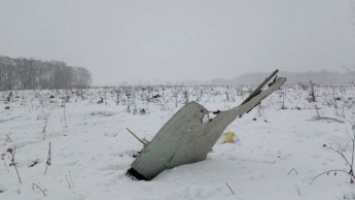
150	40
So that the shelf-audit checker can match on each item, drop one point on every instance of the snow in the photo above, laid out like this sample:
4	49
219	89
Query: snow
276	155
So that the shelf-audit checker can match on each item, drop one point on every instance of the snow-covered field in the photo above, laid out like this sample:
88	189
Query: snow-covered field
276	154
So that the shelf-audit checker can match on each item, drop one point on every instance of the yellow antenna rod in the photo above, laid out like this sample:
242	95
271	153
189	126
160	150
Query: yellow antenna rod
145	143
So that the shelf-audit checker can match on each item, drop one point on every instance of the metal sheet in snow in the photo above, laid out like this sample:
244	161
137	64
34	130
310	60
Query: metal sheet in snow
187	138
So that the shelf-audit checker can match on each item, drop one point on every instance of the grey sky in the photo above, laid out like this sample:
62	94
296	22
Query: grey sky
180	40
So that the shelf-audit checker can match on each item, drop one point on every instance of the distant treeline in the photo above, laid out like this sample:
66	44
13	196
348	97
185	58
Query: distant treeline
23	73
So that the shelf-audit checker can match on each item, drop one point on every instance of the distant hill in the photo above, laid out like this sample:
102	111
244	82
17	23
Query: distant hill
321	77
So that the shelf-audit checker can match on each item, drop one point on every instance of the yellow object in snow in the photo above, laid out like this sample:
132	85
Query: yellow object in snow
229	137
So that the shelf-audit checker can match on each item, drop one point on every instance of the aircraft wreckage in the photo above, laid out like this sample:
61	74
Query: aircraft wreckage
190	135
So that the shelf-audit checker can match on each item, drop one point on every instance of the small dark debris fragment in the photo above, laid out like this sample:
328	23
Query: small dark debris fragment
7	108
135	155
100	101
156	96
35	162
9	150
216	112
142	111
